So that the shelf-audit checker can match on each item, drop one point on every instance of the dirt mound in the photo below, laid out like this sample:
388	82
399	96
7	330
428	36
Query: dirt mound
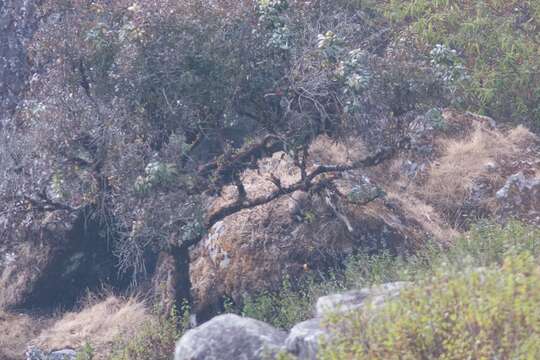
16	331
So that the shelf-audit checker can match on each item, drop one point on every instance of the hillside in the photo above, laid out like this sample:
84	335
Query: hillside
165	162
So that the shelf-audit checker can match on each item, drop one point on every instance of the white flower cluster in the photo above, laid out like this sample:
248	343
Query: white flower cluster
156	173
447	64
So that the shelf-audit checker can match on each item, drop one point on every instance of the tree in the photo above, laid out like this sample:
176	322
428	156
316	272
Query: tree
142	112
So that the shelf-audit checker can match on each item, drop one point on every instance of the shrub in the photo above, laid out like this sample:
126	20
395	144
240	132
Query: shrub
291	304
485	245
498	41
142	112
475	313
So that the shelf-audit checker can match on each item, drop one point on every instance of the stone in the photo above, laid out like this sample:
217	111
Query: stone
520	198
255	249
66	354
356	299
35	353
305	337
230	336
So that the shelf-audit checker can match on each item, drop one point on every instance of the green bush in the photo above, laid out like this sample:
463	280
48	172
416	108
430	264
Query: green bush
498	40
489	313
291	304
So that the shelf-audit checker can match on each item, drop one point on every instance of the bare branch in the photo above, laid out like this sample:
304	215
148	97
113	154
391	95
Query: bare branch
304	184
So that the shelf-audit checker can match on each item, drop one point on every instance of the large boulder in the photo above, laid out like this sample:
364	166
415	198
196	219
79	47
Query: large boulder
356	299
230	336
254	249
306	337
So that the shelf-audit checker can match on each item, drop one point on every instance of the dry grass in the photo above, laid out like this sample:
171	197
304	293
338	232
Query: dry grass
99	324
426	215
326	151
18	274
465	160
16	331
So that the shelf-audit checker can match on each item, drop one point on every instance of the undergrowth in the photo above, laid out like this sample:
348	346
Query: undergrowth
497	40
157	338
485	245
475	313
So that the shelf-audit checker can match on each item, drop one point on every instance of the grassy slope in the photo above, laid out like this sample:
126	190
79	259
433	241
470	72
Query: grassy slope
457	310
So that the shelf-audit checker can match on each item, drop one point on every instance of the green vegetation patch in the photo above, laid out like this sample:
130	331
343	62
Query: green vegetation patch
498	40
485	246
479	313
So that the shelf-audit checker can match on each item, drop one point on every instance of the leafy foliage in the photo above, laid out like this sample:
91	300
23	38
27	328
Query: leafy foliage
144	111
498	41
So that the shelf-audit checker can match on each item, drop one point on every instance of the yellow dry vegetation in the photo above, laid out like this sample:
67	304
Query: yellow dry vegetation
16	330
483	154
99	324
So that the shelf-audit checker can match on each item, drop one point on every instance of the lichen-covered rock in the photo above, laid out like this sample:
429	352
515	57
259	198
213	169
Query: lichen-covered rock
230	336
520	198
356	299
253	250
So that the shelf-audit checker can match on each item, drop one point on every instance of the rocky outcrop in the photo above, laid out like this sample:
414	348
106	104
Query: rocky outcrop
233	337
254	249
356	299
230	337
447	180
305	338
27	252
519	198
52	259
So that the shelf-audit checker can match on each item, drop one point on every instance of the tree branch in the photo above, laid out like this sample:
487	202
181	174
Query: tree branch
305	184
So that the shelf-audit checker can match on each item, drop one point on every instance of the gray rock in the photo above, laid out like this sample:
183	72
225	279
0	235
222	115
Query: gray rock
230	336
364	191
304	339
355	299
520	198
35	353
66	354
